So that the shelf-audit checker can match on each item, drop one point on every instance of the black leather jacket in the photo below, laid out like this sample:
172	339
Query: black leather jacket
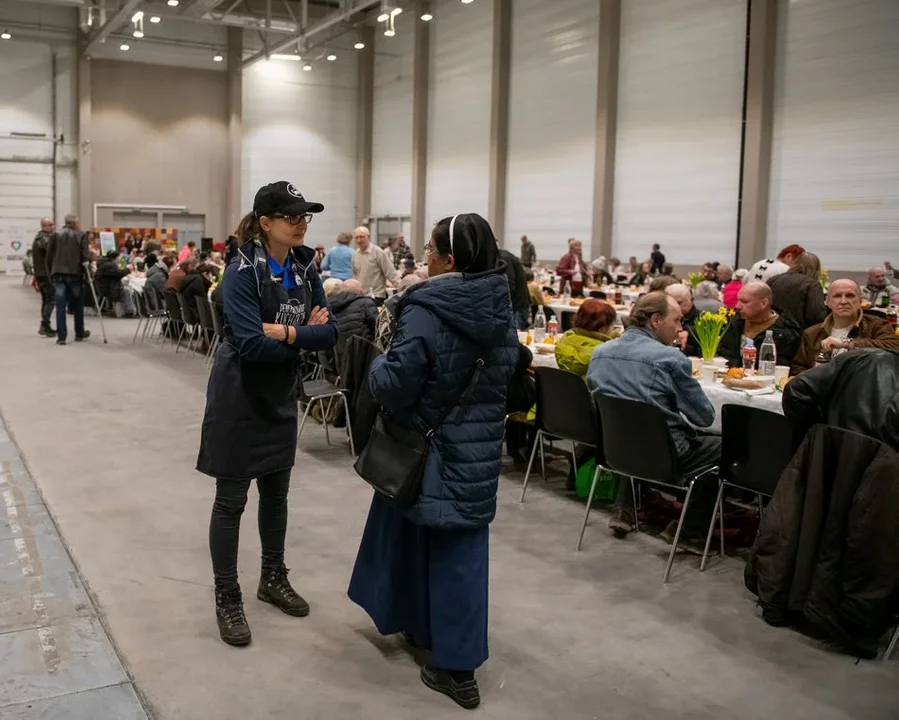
858	391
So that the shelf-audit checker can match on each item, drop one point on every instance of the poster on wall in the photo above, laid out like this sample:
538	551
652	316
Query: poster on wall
107	241
14	243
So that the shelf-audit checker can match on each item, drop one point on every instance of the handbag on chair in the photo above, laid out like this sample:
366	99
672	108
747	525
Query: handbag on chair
393	460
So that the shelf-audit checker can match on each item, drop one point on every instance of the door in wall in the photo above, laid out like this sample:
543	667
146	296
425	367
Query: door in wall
189	227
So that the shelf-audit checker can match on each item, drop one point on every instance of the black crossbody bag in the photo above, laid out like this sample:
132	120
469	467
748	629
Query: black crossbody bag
393	460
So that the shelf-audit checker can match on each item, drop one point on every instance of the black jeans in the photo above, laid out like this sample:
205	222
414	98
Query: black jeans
48	300
704	450
224	527
68	292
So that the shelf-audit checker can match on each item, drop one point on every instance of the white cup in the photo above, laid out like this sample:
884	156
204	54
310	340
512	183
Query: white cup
780	372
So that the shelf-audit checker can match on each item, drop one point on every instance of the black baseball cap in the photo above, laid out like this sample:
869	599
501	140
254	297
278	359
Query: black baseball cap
283	198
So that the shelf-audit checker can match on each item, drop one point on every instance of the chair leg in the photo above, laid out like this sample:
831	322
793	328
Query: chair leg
305	415
140	320
580	537
574	460
180	335
325	413
636	509
717	510
542	458
680	525
349	427
538	440
892	645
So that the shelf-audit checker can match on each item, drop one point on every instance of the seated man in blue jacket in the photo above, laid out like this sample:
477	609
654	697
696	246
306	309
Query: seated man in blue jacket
643	365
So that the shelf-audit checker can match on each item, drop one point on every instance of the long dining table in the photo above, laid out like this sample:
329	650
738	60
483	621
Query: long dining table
718	394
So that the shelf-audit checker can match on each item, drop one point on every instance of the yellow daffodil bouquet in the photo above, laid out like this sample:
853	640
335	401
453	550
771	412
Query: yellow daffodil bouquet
695	279
824	279
708	330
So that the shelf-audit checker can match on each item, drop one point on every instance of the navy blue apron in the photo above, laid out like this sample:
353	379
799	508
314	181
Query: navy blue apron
250	424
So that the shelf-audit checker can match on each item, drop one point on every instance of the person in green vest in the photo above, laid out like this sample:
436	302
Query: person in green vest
592	326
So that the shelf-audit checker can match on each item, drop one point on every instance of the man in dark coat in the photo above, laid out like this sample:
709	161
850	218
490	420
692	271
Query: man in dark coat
39	247
757	315
67	251
109	278
356	314
518	289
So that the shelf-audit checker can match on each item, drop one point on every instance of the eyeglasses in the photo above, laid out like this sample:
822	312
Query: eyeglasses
293	219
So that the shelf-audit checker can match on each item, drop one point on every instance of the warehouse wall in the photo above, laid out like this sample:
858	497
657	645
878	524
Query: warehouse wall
301	126
835	161
159	135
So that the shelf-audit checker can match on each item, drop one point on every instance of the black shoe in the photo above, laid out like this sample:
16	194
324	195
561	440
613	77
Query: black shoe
688	542
233	626
47	332
464	692
79	338
275	588
60	342
622	521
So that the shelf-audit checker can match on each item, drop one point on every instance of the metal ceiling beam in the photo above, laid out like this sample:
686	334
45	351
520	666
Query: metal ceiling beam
200	7
302	37
124	13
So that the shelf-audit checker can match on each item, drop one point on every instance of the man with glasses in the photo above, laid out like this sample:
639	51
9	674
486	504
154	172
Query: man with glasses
372	266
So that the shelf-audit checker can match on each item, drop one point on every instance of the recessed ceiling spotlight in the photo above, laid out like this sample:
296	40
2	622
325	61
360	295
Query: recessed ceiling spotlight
155	19
218	57
331	57
173	3
307	67
467	2
5	35
124	46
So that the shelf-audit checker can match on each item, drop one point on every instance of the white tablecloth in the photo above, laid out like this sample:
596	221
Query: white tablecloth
559	308
717	394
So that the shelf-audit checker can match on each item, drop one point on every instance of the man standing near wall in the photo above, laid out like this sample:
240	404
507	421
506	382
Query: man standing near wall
528	253
372	266
67	251
39	247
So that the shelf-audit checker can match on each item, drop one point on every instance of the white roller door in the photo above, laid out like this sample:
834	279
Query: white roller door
552	124
391	147
835	158
301	126
459	113
680	104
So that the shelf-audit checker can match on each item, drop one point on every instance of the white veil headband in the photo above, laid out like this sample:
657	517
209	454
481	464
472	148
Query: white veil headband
452	227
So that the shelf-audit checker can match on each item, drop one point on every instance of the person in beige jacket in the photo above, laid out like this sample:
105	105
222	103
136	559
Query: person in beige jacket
372	267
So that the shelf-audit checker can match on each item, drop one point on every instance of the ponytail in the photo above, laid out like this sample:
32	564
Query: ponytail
249	228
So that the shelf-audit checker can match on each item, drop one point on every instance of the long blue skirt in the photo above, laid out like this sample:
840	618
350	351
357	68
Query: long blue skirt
426	582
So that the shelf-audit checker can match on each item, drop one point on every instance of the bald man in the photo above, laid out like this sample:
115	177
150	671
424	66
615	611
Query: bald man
42	275
372	266
845	329
879	292
755	317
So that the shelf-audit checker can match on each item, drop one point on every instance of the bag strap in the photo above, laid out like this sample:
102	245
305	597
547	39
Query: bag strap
472	382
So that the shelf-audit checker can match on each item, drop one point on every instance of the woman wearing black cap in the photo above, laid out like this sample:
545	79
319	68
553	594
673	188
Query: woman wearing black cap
274	307
422	570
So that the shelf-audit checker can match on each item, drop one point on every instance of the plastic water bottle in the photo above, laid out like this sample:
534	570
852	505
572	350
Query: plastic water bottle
539	325
767	355
749	357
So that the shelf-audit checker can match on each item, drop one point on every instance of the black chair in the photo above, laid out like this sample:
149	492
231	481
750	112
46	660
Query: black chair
154	306
321	389
565	411
175	327
204	315
892	646
756	447
190	322
638	445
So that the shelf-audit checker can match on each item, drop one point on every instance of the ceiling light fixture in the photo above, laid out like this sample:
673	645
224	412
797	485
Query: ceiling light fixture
139	15
138	33
124	47
331	57
218	57
426	14
360	43
389	9
280	56
307	67
5	35
155	19
467	2
389	29
173	3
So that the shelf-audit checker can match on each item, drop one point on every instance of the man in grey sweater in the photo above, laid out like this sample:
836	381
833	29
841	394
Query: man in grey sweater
67	251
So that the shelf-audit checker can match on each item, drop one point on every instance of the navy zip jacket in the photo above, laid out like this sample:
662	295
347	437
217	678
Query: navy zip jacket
444	326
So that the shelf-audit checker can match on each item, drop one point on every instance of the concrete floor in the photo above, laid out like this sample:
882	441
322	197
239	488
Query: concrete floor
110	434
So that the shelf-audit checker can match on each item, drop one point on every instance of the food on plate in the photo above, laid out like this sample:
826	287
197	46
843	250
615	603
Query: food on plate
576	302
550	340
782	382
749	383
545	348
735	373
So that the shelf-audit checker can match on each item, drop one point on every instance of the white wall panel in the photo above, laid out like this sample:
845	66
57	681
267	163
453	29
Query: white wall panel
459	112
552	124
680	100
301	126
835	155
391	148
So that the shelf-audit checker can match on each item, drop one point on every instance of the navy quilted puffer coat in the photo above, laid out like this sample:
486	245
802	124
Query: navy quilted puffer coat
444	326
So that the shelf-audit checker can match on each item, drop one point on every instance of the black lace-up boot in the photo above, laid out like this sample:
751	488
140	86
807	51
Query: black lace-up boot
231	619
275	588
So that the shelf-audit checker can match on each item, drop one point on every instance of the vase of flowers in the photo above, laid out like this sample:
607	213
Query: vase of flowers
708	330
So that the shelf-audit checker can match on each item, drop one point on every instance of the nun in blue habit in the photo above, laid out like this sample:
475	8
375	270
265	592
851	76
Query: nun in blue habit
422	570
